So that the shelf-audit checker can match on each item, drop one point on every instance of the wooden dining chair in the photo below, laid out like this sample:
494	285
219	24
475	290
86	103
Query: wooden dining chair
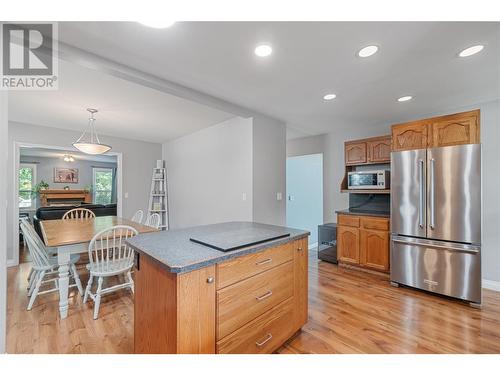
78	213
138	216
44	266
109	255
153	220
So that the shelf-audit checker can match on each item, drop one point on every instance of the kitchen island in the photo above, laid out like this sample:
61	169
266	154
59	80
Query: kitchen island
194	298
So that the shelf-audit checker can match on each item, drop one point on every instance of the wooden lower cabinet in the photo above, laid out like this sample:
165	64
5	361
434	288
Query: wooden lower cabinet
348	244
363	241
374	249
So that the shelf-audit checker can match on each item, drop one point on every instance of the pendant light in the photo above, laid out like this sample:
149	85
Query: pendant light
93	146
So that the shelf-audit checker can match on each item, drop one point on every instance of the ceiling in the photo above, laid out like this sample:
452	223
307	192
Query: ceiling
59	154
309	60
126	109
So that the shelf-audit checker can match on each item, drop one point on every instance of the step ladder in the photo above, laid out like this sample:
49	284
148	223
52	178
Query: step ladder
158	201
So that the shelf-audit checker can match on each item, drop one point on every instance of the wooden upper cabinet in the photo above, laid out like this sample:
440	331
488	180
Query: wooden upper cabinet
409	136
355	153
379	150
450	130
459	129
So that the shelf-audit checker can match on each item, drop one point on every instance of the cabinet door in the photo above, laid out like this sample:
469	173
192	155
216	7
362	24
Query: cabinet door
379	151
348	244
355	153
410	136
374	249
301	281
455	131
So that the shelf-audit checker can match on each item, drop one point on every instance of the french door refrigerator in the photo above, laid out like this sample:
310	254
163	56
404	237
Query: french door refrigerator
436	220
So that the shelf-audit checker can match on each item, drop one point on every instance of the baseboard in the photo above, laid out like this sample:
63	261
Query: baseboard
490	284
11	263
313	246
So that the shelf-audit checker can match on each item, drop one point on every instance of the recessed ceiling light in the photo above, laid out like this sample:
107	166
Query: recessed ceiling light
157	24
471	51
367	51
329	96
405	98
263	50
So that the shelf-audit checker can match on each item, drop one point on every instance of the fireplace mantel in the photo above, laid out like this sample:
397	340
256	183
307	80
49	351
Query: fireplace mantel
49	196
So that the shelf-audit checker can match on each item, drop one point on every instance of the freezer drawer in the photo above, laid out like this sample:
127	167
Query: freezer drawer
440	267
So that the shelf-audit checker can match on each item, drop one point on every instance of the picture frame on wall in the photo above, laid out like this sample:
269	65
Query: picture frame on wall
66	175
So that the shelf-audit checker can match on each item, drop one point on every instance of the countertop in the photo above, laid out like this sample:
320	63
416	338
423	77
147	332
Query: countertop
174	250
356	211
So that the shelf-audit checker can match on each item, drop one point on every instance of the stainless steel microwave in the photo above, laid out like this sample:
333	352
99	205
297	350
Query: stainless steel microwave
359	180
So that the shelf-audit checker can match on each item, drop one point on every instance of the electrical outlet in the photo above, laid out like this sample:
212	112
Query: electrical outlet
279	196
244	196
125	195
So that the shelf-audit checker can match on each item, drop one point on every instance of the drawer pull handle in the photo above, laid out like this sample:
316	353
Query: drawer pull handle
265	261
264	296
299	249
210	280
263	342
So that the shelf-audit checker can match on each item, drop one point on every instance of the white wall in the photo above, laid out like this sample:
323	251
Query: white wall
208	172
332	145
139	158
269	170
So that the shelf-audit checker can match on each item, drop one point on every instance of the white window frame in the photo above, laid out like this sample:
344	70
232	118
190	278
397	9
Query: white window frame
33	197
99	169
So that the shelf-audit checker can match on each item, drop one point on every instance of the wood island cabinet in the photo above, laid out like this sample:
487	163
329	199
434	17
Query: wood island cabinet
450	130
247	304
363	241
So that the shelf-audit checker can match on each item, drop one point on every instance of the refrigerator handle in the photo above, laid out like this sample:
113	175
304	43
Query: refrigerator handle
432	197
421	193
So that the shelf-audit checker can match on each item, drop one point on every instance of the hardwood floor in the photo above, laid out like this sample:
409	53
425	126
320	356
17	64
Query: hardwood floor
349	312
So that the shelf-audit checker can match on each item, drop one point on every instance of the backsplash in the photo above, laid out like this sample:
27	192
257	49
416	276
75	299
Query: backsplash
372	202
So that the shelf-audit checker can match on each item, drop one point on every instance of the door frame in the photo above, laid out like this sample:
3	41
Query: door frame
15	194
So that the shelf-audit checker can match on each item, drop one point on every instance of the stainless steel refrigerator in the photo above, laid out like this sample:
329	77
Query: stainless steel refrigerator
436	220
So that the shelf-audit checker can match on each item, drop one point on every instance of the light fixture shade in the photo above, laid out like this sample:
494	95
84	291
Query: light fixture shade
91	146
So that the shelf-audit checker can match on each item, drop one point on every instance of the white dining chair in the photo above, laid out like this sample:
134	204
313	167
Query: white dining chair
138	216
78	213
44	266
153	220
109	255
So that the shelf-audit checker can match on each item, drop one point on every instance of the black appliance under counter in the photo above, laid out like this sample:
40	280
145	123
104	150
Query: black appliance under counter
327	242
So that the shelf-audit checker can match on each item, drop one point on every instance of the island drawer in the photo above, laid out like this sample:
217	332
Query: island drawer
238	269
241	302
263	334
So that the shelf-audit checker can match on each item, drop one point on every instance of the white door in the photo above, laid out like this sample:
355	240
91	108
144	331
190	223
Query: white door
304	186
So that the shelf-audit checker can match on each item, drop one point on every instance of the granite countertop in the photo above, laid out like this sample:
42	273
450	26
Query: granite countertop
177	253
357	211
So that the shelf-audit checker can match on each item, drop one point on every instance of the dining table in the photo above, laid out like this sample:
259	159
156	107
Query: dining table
72	236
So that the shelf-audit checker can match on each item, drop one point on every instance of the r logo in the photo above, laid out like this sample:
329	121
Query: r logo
27	49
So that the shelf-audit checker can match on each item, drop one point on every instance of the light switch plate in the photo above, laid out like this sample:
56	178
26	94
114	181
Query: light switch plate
279	196
244	196
125	195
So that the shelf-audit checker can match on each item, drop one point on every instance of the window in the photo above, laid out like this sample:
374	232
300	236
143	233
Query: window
27	178
102	185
